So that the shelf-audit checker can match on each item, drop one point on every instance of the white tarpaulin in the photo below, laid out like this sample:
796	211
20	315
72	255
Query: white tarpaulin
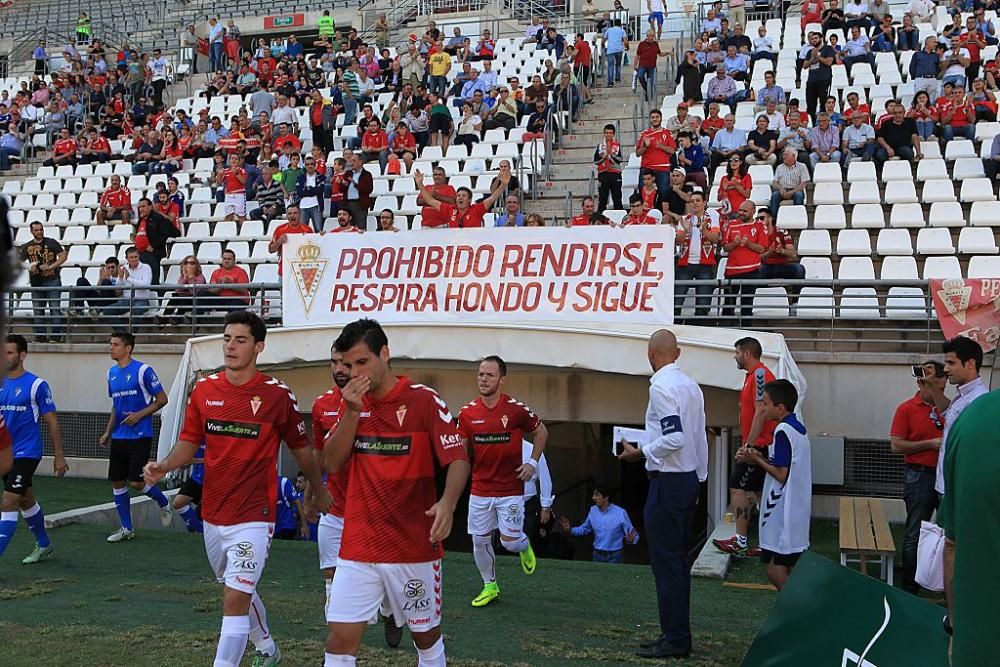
509	275
706	353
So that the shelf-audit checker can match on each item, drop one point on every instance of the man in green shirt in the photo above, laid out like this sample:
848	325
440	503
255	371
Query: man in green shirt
972	532
325	24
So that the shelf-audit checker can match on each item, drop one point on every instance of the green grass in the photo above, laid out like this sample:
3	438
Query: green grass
58	495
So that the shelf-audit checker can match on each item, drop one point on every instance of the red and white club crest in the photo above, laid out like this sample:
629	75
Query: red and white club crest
503	420
255	404
401	414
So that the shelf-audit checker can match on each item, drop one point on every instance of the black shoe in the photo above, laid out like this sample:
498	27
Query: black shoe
664	649
650	643
393	633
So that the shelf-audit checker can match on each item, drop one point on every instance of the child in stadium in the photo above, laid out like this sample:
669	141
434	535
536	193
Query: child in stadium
787	497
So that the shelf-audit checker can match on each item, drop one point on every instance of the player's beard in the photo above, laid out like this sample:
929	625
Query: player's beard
341	380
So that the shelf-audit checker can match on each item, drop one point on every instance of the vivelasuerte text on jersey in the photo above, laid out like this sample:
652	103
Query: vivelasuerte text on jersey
495	435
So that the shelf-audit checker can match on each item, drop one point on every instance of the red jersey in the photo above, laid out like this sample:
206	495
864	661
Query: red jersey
803	118
633	220
654	157
347	228
231	180
64	147
120	198
712	125
778	238
431	217
338	186
915	420
741	258
705	248
242	428
495	435
371	142
607	164
650	198
581	220
141	239
237	276
325	417
401	143
583	53
101	145
398	439
753	391
473	216
288	229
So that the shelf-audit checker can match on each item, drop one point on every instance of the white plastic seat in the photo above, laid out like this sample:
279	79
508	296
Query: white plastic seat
97	234
927	169
198	231
251	229
260	252
815	303
968	167
179	251
859	303
854	242
908	215
828	193
985	214
935	241
900	170
984	266
941	267
815	242
900	192
977	189
78	255
976	241
899	268
795	217
121	233
946	214
930	149
905	303
224	231
266	273
856	268
770	302
938	190
894	242
866	216
210	251
827	172
957	148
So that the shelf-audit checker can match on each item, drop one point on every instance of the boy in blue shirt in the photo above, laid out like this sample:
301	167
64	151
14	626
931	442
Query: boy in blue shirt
25	402
136	395
609	524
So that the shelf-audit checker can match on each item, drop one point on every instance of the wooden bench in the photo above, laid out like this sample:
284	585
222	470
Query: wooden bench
864	534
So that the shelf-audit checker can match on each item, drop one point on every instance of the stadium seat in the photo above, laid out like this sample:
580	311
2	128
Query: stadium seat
984	266
938	190
935	241
975	241
977	189
947	214
198	231
210	251
906	303
179	251
854	242
811	242
894	242
770	302
907	215
866	192
827	172
817	268
901	170
899	268
927	169
266	273
856	268
815	303
223	231
251	229
968	167
795	217
97	234
900	192
78	255
930	149
860	303
958	148
985	214
121	233
827	216
941	267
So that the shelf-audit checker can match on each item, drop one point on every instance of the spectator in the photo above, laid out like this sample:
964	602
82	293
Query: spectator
770	92
812	12
234	180
442	192
682	121
818	62
727	142
649	194
763	47
464	213
486	46
386	221
584	218
511	187
469	127
722	89
229	298
309	189
151	234
565	92
181	303
858	139
359	189
608	523
856	14
646	54
762	144
858	49
710	125
780	260
924	67
735	185
608	158
824	140
637	213
41	58
135	277
172	155
44	257
96	300
63	151
957	116
512	216
148	154
897	138
503	114
294	225
537	125
775	119
96	149
974	42
916	434
795	137
790	180
440	125
744	241
954	62
697	237
656	146
923	113
116	203
982	101
216	34
270	197
712	23
615	46
11	146
691	157
991	165
167	208
908	36
689	76
737	65
833	18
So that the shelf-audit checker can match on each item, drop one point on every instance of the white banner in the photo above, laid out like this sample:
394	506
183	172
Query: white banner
509	275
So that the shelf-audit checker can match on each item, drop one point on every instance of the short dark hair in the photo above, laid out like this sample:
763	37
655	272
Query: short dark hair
603	489
252	320
634	198
18	340
751	345
126	337
610	126
112	260
36	222
227	251
465	190
782	392
965	349
501	364
131	249
365	330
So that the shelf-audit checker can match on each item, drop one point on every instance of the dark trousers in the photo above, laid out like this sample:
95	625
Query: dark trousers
744	292
609	183
921	501
153	259
359	214
669	513
323	138
816	94
703	300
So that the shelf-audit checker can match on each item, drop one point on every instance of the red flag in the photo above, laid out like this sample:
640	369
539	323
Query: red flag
970	308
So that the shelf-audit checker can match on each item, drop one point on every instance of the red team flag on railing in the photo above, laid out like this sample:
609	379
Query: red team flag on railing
968	307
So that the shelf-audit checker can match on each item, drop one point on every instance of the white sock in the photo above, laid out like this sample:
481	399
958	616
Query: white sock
331	660
516	546
482	552
433	656
31	511
232	641
260	633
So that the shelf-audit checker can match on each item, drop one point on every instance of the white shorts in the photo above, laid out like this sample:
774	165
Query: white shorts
411	591
487	514
329	534
236	204
238	553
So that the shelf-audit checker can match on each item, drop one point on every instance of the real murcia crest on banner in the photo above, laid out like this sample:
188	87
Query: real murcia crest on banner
955	296
308	268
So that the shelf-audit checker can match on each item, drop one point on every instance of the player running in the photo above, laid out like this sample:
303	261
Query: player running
136	395
25	402
495	425
190	494
391	432
242	416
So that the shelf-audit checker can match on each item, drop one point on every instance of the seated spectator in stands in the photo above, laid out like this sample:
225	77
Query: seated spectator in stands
770	91
812	12
637	213
737	65
63	151
763	47
403	145
269	195
727	142
824	142
181	302
649	193
793	110
856	14
418	121
512	215
735	185
956	115
723	89
681	121
133	302
794	136
566	93
790	180
511	187
858	49
780	260
775	119
973	40
229	298
691	158
923	114
711	24
858	141
148	154
374	143
173	155
762	144
907	37
469	127
95	149
92	299
455	41
53	119
346	222
833	18
953	64
897	138
441	191
163	205
116	204
503	114
464	213
584	218
983	101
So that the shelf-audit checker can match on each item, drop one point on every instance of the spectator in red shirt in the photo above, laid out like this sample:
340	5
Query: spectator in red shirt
735	186
608	158
63	151
440	190
780	259
375	144
713	123
637	213
464	213
404	145
281	234
583	220
229	298
656	147
582	58
286	138
957	116
793	110
168	209
646	55
96	149
345	222
116	203
744	240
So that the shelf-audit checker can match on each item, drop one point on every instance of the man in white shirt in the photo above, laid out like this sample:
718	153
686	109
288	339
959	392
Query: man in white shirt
158	68
920	9
133	274
285	114
676	455
538	496
488	76
953	64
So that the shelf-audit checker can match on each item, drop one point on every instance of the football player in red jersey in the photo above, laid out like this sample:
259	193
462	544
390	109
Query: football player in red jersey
242	416
494	425
391	433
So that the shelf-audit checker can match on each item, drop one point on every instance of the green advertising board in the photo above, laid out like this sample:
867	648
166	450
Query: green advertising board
831	616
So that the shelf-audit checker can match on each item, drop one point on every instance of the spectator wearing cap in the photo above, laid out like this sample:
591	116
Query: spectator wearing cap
858	140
